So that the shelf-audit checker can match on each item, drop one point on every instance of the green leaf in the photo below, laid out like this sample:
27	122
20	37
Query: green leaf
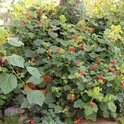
26	104
122	24
103	106
80	86
49	98
90	110
109	76
68	121
87	48
91	117
14	42
38	42
16	60
34	80
31	35
34	72
106	114
67	87
41	50
64	43
112	106
7	82
36	97
79	104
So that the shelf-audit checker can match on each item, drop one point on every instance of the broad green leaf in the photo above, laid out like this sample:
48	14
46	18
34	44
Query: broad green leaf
38	42
109	76
68	121
90	110
34	80
106	114
103	106
31	35
26	104
49	98
34	72
36	97
14	42
7	82
67	87
16	60
80	86
41	50
91	117
79	104
122	24
112	106
87	48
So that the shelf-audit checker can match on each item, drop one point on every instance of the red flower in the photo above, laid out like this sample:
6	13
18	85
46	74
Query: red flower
90	65
112	69
71	49
38	22
60	4
86	25
30	16
76	63
70	4
32	59
3	60
75	111
93	29
77	1
82	45
72	97
99	61
47	10
108	68
39	13
24	22
32	122
104	81
58	48
81	48
95	4
38	54
83	31
93	67
93	88
6	37
25	14
17	71
15	33
100	77
82	73
54	7
83	40
93	104
117	73
48	50
51	13
72	14
52	30
113	62
122	84
78	120
56	37
79	25
49	20
75	37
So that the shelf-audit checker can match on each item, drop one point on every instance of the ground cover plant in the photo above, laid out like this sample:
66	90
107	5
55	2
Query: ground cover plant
86	66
